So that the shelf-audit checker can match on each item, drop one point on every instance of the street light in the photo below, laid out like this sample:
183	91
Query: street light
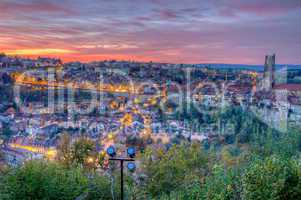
90	160
131	152
111	151
131	165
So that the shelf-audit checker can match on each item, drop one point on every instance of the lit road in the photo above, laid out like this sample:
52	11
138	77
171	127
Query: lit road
48	152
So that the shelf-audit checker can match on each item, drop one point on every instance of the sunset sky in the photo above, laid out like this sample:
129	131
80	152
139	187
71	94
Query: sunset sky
187	31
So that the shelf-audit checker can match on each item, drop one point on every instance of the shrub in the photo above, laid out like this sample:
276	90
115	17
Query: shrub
37	180
272	179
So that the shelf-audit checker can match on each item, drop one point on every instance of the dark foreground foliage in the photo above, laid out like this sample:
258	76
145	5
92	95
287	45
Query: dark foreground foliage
46	180
176	174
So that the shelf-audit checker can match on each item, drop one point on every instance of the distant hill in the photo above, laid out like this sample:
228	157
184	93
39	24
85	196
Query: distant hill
246	67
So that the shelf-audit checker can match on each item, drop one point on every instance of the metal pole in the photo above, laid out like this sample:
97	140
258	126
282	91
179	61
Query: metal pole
122	160
121	182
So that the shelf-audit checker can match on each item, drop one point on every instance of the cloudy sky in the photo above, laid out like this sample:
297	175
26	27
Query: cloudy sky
190	31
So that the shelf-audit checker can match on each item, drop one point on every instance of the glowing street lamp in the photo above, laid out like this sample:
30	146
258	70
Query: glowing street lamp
110	136
90	160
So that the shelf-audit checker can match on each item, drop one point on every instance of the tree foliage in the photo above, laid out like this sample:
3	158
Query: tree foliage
81	152
179	168
274	178
38	180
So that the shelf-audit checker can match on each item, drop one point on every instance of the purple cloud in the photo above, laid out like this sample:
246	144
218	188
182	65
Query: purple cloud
167	31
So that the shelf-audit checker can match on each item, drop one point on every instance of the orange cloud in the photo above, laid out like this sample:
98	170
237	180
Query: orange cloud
36	52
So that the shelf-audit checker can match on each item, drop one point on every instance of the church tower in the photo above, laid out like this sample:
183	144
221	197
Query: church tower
269	72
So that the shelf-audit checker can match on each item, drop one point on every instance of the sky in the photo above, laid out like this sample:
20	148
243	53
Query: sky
173	31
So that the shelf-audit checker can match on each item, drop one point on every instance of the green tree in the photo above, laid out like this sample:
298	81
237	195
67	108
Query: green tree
65	155
222	184
38	180
84	153
179	168
274	178
6	132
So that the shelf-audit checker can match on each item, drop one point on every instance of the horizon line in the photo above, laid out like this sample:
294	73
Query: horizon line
33	57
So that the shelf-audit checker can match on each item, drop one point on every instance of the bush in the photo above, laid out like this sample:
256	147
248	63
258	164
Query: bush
181	168
40	180
272	179
221	185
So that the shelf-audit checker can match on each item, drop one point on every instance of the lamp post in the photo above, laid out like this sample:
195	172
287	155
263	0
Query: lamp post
131	152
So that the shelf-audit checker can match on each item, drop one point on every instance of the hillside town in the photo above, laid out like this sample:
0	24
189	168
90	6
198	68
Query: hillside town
149	104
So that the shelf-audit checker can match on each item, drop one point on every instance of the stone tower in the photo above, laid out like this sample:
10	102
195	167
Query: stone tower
269	72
